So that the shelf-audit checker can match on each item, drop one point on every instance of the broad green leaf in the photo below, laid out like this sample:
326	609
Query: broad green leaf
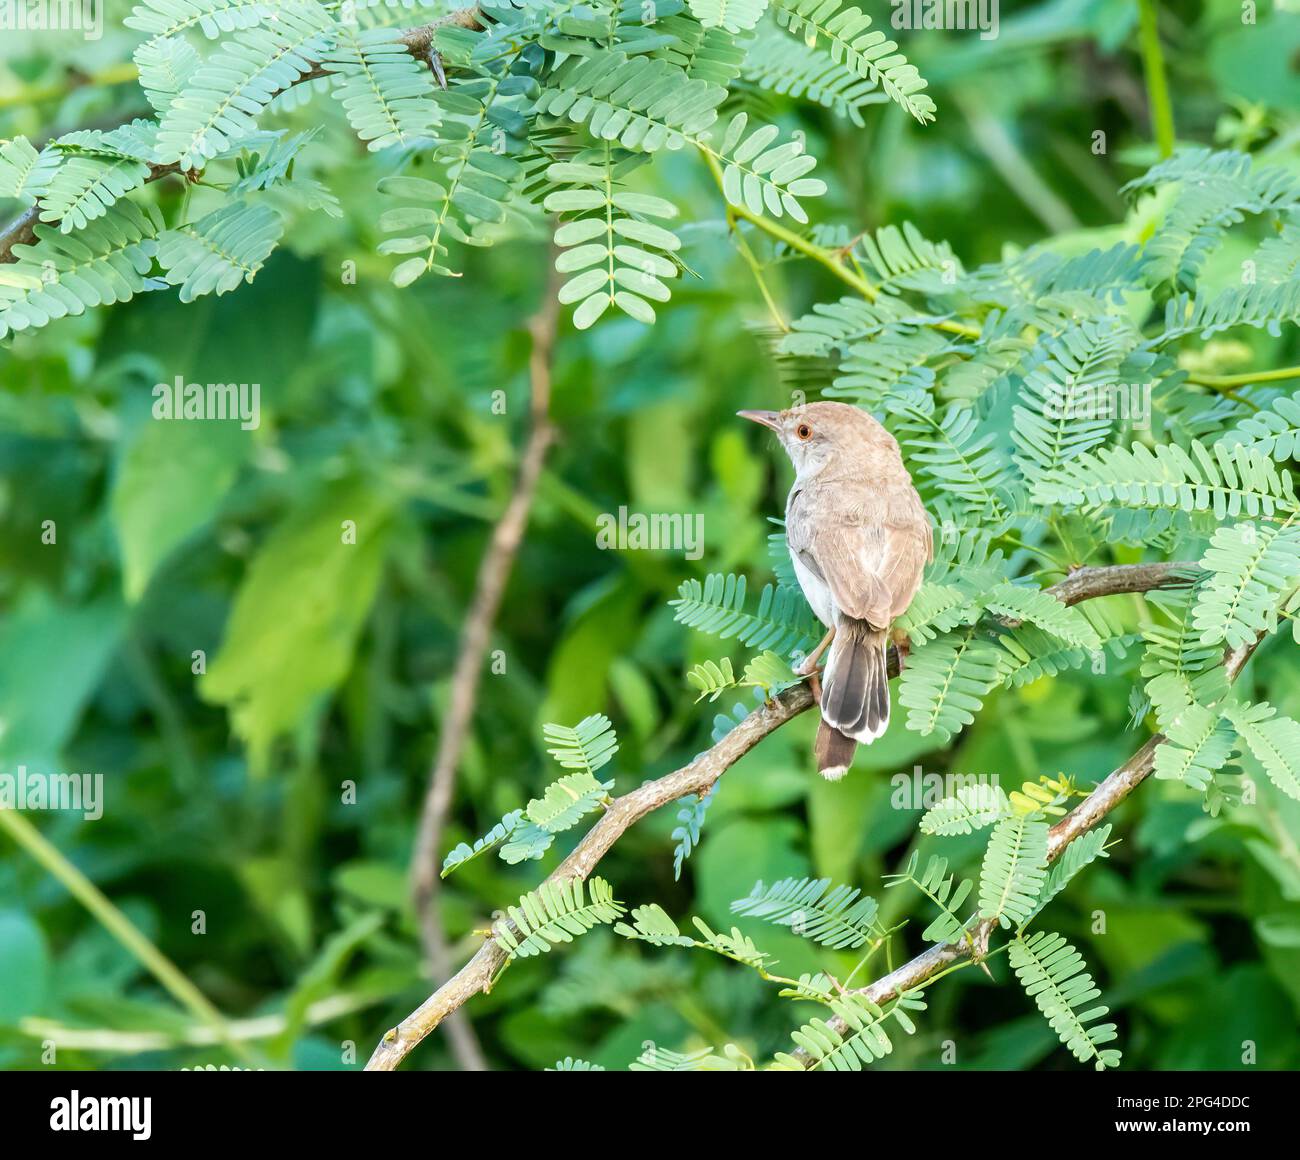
304	598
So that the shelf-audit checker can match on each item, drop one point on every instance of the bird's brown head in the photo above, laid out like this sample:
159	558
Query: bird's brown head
821	435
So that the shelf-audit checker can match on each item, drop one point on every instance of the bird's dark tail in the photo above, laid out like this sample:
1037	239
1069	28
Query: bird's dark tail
834	752
855	695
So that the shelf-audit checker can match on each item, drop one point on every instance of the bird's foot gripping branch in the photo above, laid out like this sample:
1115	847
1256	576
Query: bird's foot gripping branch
1040	836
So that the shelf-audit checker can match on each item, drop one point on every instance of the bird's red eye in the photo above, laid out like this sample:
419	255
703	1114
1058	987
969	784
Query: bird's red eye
803	431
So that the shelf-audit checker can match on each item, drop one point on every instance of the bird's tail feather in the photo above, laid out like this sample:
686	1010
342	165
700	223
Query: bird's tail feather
834	752
855	686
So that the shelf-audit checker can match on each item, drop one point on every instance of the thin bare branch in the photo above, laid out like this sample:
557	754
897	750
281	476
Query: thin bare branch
1112	579
1109	793
494	572
697	778
20	232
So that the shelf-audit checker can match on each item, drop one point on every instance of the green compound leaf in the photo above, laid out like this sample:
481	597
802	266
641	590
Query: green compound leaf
556	912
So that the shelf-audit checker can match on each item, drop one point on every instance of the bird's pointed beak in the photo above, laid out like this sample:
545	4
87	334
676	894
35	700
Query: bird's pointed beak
767	418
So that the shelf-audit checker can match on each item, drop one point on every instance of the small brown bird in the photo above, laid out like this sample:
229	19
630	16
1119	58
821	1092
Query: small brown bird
859	539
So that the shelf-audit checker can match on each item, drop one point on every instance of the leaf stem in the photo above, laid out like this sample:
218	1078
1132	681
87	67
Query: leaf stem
829	259
747	253
1227	382
121	928
1153	67
795	241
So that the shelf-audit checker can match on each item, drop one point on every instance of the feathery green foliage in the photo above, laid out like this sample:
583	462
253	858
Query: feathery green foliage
85	184
1200	743
651	924
687	834
971	808
1227	480
1014	869
655	1058
568	1063
1083	851
25	173
938	886
1275	431
946	680
108	260
638	101
833	916
1054	976
219	252
782	622
607	124
1250	568
1274	741
852	43
388	95
1044	610
732	15
556	912
166	18
612	254
587	746
221	100
864	1041
1062	413
782	64
760	176
567	801
956	459
464	852
767	672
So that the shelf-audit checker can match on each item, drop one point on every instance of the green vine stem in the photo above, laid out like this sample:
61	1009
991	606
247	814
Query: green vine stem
121	928
1153	66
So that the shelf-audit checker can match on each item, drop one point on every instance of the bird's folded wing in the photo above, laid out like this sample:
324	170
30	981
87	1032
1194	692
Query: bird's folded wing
872	569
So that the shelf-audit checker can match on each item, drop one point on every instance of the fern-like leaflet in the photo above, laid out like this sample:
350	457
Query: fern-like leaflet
168	18
225	94
556	912
612	253
1054	975
1081	852
1227	480
1251	567
1273	740
1014	869
387	93
782	622
106	261
219	252
943	890
864	1041
464	852
867	53
784	65
1200	742
640	102
732	15
970	808
588	746
833	916
758	175
1275	431
946	680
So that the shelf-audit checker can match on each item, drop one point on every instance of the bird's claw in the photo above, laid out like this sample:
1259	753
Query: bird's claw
806	667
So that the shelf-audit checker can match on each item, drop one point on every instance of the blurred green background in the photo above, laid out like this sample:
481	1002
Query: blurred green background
228	793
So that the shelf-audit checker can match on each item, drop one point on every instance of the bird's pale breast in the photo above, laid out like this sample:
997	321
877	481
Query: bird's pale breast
815	592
